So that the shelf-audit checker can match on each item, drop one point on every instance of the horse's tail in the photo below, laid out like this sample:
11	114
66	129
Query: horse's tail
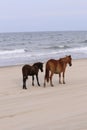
24	72
47	73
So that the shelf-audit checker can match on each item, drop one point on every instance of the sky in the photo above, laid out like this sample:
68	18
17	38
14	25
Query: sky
43	15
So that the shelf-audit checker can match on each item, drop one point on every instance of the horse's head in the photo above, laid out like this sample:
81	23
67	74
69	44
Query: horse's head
39	65
69	60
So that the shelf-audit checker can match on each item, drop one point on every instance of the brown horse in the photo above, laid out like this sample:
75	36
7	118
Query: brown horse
29	70
57	67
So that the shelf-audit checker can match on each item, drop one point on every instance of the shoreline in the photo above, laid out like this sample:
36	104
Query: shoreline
8	66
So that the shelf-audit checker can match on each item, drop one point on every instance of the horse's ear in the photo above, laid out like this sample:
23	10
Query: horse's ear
66	55
42	63
70	56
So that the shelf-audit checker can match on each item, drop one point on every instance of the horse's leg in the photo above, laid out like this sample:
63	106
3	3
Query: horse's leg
63	77
51	79
37	79
24	83
33	80
44	82
59	78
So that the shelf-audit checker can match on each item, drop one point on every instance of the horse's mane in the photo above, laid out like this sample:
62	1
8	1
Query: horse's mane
64	59
61	59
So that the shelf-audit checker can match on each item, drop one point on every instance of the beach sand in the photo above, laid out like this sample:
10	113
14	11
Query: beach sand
62	107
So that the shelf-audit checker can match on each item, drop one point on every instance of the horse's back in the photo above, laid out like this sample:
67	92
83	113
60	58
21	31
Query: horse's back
54	65
29	70
52	61
25	69
51	64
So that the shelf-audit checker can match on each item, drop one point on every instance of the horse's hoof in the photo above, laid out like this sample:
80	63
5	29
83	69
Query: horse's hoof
44	84
24	88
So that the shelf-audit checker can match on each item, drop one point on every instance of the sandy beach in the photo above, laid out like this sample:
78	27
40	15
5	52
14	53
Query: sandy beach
62	107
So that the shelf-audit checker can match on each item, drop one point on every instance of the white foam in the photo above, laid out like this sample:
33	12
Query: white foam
2	52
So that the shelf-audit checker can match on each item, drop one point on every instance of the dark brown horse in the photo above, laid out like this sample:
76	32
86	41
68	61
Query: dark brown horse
57	67
29	70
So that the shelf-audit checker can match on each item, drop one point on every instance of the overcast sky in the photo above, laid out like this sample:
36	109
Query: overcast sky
42	15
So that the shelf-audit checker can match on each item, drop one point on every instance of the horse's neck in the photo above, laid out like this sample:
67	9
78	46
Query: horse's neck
35	65
63	62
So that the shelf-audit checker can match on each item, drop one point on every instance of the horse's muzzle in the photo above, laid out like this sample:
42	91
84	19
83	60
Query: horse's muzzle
70	64
41	70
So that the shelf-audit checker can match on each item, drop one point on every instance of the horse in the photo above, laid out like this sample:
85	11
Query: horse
56	67
28	70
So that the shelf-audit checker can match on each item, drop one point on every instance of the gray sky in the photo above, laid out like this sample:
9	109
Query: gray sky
42	15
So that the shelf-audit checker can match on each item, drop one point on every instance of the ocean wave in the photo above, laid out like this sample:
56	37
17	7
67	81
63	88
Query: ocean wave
15	51
82	50
85	41
16	48
58	47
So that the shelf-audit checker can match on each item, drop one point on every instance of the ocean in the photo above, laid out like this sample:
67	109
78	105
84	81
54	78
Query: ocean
29	47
